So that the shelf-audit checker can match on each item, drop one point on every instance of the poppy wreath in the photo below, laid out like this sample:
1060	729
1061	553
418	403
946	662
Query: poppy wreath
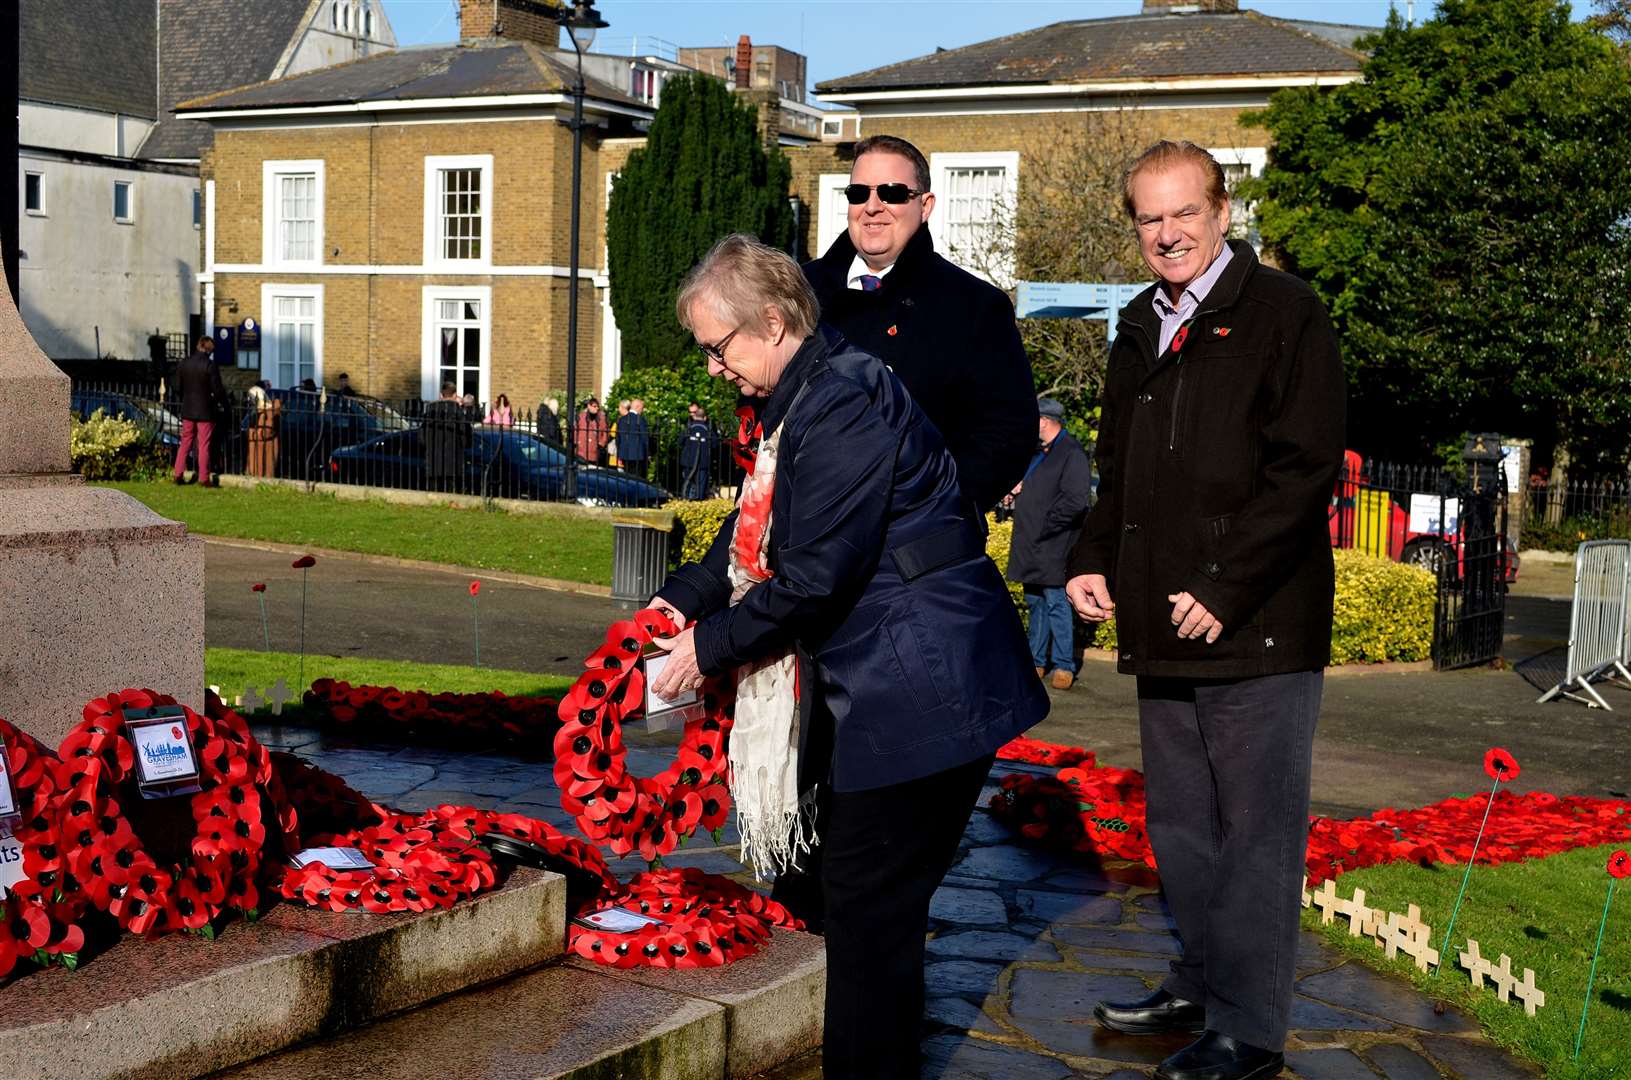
40	918
110	864
1037	752
705	921
614	808
421	862
529	722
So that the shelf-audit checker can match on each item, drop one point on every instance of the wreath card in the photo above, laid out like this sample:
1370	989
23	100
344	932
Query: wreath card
9	817
165	762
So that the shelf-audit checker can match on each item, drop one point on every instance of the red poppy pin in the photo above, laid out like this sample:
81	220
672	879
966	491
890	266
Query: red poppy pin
1180	337
1500	765
303	562
475	587
893	330
1619	865
1221	331
259	586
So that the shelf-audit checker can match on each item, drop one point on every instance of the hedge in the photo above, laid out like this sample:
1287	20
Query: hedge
110	448
1383	609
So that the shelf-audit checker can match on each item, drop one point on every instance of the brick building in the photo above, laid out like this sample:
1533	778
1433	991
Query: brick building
1180	69
404	218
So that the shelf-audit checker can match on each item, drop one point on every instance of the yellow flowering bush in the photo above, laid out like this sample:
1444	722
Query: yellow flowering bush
699	523
110	448
1383	610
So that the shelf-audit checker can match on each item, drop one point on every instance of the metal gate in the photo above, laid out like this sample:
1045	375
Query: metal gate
1470	617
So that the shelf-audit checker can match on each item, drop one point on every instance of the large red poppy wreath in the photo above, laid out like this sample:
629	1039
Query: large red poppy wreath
40	915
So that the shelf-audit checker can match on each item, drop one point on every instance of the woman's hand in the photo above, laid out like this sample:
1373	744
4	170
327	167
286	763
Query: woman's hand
680	673
660	605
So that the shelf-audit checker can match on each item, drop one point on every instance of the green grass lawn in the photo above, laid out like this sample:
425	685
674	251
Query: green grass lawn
1544	914
571	549
235	670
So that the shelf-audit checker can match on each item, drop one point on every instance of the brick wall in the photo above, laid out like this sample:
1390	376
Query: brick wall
476	20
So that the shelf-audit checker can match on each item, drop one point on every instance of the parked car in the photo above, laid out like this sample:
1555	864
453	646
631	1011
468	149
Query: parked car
1373	520
313	426
150	416
503	464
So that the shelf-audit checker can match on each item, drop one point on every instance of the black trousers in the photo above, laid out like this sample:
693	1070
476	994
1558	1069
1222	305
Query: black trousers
1226	766
883	854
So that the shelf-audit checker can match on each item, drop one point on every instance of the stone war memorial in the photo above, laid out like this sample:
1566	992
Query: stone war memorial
178	899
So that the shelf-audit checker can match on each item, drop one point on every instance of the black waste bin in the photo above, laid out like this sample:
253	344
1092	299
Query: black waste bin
639	556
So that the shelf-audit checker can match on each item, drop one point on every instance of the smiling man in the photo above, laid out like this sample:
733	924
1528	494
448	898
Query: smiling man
1221	436
949	336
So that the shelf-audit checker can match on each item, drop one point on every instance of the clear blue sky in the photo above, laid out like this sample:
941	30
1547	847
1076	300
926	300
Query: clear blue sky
841	37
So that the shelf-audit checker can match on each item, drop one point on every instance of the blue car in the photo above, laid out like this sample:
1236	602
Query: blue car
500	464
311	427
150	416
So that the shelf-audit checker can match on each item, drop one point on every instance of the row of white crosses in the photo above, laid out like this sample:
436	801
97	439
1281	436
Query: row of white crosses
251	699
1409	935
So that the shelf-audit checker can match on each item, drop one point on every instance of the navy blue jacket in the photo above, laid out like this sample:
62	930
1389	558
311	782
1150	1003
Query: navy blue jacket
632	436
879	576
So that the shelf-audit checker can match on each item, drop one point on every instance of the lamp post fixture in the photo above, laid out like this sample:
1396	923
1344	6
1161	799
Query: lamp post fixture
581	22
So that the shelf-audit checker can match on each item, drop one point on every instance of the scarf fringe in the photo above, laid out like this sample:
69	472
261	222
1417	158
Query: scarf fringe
773	838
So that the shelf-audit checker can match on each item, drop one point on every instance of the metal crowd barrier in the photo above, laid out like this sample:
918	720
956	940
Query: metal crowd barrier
1599	637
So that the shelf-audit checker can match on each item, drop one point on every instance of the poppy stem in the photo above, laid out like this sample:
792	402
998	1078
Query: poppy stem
1443	949
266	627
301	682
1586	1005
475	608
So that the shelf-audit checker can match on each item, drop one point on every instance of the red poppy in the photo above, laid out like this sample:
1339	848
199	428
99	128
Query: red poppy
1500	765
303	562
259	586
1619	865
475	587
1180	337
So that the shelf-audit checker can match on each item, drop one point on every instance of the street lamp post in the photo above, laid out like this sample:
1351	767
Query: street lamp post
581	22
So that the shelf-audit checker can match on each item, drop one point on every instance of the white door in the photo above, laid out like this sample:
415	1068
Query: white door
294	336
459	345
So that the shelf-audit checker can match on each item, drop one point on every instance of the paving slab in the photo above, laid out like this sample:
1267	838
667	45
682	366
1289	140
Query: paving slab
1094	937
1476	1059
1366	991
1310	1015
1068	995
1334	1064
1069	908
971	977
960	1057
1398	1062
973	906
991	945
560	1022
773	999
956	1012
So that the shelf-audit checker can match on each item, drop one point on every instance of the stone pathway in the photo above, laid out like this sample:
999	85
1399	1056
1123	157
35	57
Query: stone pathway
1022	941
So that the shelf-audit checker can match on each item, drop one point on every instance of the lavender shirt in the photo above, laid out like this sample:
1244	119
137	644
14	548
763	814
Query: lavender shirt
1190	301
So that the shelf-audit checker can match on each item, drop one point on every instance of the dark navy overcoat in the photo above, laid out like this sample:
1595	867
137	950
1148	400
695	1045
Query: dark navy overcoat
879	577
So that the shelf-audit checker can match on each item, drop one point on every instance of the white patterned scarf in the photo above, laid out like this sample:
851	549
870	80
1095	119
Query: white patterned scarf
776	827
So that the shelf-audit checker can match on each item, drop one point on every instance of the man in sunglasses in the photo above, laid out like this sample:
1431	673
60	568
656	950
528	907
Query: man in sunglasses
950	337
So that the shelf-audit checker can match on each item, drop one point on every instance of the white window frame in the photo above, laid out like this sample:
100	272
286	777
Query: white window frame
940	166
830	224
271	256
130	202
270	292
434	164
1255	158
39	175
834	128
430	382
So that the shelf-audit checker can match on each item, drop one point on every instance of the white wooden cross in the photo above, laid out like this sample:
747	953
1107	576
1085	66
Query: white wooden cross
250	700
1501	975
1362	919
278	695
1327	900
1532	996
1308	901
1409	935
1477	966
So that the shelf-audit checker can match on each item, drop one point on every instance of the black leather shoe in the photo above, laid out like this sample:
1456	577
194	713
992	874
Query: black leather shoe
1159	1014
1215	1056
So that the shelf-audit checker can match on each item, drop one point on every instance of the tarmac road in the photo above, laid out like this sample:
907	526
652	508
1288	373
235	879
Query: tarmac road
1399	738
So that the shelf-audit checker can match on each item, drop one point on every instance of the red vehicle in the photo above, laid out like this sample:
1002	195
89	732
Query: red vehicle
1373	520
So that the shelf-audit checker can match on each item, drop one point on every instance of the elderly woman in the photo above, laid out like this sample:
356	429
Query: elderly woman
261	426
851	547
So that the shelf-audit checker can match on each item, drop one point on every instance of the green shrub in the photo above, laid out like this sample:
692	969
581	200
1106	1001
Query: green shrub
1571	532
109	448
1383	610
698	523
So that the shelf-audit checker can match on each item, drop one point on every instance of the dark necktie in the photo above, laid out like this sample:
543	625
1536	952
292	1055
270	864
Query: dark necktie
871	282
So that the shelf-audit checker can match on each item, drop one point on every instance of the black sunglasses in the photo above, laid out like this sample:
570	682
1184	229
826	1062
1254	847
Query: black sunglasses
716	352
894	194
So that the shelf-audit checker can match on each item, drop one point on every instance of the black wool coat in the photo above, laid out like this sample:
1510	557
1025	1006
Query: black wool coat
951	339
446	432
203	396
1216	463
1048	514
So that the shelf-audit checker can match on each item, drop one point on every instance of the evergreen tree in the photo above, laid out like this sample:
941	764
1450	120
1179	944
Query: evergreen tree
703	173
1465	211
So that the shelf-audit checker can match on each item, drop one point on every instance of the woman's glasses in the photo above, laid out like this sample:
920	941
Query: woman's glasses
894	194
716	351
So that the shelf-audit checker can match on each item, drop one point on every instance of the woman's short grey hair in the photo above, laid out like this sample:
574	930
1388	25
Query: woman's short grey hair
740	278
